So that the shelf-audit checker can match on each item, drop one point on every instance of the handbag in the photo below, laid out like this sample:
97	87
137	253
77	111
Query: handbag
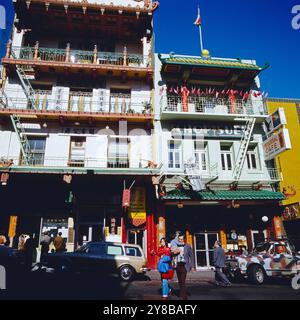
168	275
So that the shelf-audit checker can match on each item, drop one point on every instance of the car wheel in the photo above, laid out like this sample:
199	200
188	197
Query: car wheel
257	275
126	273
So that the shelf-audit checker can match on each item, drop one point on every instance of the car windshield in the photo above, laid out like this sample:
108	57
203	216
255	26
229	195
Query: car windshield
262	247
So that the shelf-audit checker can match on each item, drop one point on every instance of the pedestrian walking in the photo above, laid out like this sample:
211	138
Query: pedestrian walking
219	263
59	243
28	251
184	263
45	244
165	267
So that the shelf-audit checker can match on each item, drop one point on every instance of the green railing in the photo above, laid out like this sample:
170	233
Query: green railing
82	57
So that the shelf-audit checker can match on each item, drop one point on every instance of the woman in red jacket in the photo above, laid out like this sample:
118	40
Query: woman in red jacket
164	250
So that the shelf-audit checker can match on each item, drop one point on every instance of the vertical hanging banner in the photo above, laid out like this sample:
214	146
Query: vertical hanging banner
12	226
7	14
223	239
278	228
137	210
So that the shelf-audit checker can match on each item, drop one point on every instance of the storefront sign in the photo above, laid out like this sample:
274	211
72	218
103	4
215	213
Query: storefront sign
12	226
126	198
208	131
137	210
234	236
192	172
276	144
223	239
275	121
291	212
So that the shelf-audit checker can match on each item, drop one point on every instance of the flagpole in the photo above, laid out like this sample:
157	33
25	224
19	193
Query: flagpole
200	29
201	40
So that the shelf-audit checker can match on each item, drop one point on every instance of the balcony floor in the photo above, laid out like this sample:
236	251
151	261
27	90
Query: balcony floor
102	69
172	115
73	116
80	170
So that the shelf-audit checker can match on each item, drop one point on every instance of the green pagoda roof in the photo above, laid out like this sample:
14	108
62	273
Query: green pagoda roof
221	195
210	62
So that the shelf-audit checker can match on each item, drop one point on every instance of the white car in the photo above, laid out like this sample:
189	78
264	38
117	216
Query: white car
269	259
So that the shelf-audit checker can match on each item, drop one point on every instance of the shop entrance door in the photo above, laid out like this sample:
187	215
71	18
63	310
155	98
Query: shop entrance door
204	251
90	232
138	237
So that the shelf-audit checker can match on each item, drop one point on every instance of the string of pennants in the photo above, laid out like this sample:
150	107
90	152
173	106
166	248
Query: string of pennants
212	92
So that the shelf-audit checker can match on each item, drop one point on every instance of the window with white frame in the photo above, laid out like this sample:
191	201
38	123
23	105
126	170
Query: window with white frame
37	149
77	151
252	157
118	153
174	154
226	157
201	155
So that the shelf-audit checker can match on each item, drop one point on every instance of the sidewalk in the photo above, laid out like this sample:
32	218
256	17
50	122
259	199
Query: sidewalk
198	276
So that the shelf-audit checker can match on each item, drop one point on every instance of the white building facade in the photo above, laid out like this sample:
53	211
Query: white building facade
76	108
215	183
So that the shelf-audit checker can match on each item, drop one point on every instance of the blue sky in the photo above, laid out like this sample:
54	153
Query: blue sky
248	29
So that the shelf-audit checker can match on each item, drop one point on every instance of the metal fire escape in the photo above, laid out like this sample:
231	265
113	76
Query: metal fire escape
242	153
15	119
26	85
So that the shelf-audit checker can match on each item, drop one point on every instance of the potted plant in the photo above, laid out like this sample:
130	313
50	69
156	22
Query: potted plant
147	107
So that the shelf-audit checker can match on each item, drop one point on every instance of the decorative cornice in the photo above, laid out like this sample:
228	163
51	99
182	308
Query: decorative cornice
284	100
148	6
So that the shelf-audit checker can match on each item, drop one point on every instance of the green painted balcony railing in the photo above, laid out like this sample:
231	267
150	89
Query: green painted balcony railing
82	57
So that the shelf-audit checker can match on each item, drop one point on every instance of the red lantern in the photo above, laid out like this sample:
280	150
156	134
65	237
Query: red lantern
126	198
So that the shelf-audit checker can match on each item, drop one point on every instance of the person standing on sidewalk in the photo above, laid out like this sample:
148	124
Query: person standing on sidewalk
219	263
164	253
45	244
184	263
59	243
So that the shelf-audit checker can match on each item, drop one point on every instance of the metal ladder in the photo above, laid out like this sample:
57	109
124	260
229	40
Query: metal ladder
25	83
16	121
242	153
24	143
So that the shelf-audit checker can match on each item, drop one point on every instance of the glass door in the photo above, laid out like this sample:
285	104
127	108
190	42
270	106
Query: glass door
204	251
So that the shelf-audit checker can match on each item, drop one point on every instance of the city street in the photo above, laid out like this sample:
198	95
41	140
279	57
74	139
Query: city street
95	287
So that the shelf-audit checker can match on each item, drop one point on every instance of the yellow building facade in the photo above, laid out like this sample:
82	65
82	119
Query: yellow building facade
289	162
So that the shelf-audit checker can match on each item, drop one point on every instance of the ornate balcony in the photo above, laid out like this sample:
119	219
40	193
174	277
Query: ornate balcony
74	104
39	164
146	6
195	107
118	64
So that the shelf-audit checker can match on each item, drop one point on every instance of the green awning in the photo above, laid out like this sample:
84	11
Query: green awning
223	195
211	62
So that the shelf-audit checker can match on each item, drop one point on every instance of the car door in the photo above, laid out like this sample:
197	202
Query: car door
283	258
136	258
96	258
115	257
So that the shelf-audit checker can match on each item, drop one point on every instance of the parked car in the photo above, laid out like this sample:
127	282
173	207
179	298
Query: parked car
104	258
269	259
